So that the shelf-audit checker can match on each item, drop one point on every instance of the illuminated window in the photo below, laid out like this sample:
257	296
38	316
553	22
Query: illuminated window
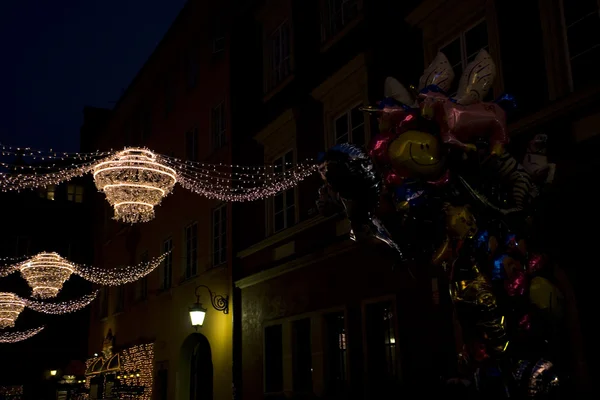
191	250
337	14
50	192
463	49
75	193
191	145
219	123
350	127
336	354
582	24
284	203
219	237
279	56
167	267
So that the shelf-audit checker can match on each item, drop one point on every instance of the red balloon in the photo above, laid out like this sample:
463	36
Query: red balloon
378	148
391	178
516	284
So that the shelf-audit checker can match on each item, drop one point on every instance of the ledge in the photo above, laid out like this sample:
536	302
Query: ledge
279	122
555	109
339	76
423	10
296	264
286	234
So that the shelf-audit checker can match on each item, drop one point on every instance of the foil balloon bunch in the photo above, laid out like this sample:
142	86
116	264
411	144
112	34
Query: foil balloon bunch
439	186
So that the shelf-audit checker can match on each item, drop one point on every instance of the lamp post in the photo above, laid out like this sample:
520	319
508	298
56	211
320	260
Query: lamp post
197	312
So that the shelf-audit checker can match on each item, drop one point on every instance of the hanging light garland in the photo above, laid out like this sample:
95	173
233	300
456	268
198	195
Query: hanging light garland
14	337
135	180
46	273
12	305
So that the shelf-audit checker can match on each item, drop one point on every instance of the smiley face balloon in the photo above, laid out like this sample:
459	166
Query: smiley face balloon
416	154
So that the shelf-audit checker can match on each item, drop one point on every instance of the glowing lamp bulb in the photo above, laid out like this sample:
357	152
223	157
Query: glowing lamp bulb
197	314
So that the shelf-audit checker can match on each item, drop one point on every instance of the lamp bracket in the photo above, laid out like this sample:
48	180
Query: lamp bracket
219	302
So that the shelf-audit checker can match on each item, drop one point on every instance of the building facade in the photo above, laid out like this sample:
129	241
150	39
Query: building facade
178	106
315	313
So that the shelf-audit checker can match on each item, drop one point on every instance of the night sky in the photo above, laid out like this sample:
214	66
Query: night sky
58	56
55	58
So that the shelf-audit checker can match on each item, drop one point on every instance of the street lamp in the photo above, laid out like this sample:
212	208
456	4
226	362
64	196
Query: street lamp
53	372
197	312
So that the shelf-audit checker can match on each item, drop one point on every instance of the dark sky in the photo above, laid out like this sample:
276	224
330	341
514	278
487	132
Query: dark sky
58	56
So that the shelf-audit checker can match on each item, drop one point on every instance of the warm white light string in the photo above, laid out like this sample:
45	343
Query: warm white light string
46	273
14	337
11	306
135	180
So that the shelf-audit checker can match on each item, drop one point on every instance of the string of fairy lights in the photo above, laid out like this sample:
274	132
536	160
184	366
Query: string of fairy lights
14	337
136	180
46	273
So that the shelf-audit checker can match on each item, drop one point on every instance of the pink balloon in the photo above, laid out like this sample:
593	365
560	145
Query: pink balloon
516	284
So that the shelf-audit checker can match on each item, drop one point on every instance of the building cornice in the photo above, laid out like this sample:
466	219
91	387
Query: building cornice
329	252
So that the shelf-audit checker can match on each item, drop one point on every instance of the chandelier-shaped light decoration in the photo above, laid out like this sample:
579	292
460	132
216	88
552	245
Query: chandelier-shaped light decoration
134	182
14	337
46	273
11	306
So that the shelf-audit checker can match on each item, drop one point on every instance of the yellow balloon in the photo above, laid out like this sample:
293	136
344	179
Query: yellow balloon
416	153
545	296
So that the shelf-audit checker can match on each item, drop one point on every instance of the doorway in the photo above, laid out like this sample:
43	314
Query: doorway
195	369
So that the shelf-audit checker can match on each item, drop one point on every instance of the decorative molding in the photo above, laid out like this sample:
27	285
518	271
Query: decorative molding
423	11
342	74
332	251
283	235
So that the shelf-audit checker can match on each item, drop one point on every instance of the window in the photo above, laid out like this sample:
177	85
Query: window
120	303
279	46
141	285
75	193
336	354
284	203
162	381
191	145
463	49
218	36
169	95
302	356
191	250
273	359
350	127
381	341
218	121
167	269
337	14
219	236
192	68
582	25
48	192
104	302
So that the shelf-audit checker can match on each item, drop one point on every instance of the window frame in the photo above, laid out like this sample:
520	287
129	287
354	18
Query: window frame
565	36
271	229
218	35
218	138
271	84
73	196
194	133
464	57
222	237
398	352
195	247
328	36
348	114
